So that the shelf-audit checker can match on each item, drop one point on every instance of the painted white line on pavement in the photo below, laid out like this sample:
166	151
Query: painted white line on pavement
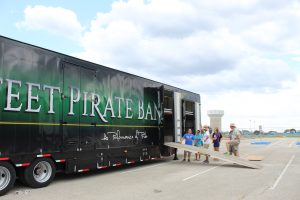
141	169
203	172
200	173
291	144
282	173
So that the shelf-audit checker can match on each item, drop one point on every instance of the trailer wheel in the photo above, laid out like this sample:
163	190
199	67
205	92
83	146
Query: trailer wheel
40	173
7	177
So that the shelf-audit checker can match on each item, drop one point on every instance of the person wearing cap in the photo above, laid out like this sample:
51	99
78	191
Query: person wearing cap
206	141
234	142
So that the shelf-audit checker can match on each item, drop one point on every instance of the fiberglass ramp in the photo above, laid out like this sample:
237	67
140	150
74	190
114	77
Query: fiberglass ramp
214	154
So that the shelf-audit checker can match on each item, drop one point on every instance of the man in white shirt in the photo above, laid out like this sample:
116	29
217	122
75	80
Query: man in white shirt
206	141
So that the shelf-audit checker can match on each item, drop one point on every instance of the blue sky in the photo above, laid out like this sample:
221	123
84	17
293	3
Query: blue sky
13	12
241	56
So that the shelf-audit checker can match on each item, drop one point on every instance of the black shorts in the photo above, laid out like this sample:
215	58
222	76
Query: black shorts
217	144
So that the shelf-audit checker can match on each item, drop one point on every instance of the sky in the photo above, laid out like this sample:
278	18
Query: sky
242	57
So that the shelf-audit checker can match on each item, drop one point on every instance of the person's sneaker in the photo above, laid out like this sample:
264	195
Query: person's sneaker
226	154
189	160
183	160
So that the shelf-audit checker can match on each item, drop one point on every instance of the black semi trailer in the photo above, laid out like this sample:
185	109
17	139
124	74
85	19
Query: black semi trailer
60	113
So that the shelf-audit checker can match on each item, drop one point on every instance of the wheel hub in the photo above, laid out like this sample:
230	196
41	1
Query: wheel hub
4	177
42	172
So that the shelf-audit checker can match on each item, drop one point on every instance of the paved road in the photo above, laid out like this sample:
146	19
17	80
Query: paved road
167	179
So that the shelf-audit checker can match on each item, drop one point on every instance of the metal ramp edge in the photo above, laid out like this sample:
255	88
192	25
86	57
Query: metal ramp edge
214	154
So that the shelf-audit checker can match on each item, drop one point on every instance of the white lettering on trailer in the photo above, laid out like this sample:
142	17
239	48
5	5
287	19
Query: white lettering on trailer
105	137
128	109
109	108
31	98
141	109
51	91
72	100
10	95
157	112
149	112
95	98
95	107
15	93
84	104
117	136
141	134
119	107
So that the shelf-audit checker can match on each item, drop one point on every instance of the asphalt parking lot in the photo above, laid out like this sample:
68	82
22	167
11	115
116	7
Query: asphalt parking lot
165	179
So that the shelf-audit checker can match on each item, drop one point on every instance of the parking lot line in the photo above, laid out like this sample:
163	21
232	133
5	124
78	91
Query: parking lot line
203	172
291	144
282	173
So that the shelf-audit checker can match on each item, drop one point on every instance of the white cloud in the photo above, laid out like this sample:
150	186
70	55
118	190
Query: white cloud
237	54
276	110
157	37
174	42
55	20
230	52
296	59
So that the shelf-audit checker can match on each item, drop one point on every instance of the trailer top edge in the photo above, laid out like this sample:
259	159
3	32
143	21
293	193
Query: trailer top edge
69	58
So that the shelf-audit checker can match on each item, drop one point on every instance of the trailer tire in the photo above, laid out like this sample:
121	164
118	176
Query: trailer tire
40	173
7	177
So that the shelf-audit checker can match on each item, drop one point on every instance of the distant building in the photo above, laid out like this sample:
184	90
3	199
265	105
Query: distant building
260	128
215	118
